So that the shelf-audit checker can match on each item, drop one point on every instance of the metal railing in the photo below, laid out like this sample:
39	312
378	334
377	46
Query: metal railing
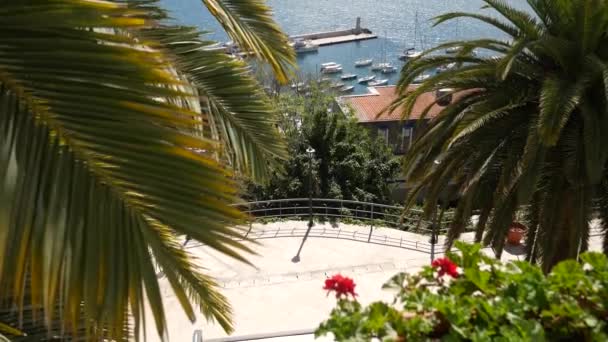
374	214
335	209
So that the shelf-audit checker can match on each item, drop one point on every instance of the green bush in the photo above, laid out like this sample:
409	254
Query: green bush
484	300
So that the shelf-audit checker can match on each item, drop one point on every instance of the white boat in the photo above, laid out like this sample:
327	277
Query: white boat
453	49
329	65
446	67
337	85
347	89
363	63
380	66
389	70
378	83
420	78
324	79
366	79
410	53
304	46
348	77
332	70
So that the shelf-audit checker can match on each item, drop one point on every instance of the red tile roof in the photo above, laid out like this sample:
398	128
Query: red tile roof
367	107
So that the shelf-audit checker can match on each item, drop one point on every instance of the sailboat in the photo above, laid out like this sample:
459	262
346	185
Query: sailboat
384	65
378	83
366	79
421	78
363	62
347	89
389	70
348	77
447	67
412	53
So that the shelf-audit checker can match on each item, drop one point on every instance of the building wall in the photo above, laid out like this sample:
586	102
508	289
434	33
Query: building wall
400	134
400	143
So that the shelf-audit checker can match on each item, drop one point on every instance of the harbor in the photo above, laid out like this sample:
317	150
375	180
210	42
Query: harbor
325	32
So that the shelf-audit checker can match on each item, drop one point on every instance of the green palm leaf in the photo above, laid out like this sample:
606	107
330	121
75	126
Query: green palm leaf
230	97
104	161
250	24
524	129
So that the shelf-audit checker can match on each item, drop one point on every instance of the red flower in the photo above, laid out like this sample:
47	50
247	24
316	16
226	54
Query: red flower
343	286
446	266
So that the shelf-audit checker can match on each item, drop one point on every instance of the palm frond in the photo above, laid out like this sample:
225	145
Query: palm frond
251	25
231	98
557	101
526	23
102	170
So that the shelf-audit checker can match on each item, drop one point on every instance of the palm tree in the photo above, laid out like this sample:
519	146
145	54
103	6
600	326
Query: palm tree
526	130
118	135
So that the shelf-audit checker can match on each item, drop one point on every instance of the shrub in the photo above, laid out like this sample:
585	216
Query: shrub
469	296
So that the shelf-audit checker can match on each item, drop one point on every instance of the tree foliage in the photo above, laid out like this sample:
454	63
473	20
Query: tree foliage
347	163
527	130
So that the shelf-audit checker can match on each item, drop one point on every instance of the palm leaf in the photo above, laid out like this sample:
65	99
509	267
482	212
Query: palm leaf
530	133
100	170
527	24
557	101
250	24
230	97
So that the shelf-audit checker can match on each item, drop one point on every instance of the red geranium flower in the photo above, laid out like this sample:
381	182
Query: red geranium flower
446	266
343	286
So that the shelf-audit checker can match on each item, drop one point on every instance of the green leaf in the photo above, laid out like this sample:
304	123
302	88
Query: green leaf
104	164
251	25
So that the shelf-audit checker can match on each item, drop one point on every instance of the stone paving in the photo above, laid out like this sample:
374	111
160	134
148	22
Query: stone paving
281	295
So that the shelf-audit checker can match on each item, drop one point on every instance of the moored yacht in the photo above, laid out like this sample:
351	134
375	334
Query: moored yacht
363	62
420	78
348	77
389	70
304	46
410	53
329	65
366	79
332	69
446	67
380	66
378	83
347	89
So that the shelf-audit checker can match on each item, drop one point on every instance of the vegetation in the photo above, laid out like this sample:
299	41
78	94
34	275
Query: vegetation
526	130
118	135
347	163
469	296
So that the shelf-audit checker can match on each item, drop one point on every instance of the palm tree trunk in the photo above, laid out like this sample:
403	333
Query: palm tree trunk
571	233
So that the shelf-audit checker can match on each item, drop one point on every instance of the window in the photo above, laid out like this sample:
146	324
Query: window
383	132
407	134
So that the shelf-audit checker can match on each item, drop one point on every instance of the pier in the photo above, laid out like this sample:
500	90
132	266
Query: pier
317	39
337	37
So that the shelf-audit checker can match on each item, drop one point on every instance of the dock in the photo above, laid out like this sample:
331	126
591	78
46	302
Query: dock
344	39
338	37
357	33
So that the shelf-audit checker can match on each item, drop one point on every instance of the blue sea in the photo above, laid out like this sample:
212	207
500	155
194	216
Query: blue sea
394	21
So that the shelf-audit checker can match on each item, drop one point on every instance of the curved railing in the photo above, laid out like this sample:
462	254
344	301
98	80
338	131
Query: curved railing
335	209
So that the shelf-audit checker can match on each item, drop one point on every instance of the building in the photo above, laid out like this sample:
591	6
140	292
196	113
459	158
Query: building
370	111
